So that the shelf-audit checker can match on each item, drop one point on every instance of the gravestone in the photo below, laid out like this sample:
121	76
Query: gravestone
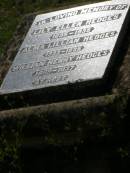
64	48
69	46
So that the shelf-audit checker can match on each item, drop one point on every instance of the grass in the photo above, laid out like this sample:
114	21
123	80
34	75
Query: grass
11	12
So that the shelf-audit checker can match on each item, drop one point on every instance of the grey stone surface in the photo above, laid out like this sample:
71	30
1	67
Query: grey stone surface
67	46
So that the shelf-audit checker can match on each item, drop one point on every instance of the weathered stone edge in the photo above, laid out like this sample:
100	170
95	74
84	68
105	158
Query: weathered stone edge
66	123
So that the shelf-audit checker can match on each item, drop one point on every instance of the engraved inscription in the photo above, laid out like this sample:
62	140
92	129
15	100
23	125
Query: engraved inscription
64	60
32	48
82	11
53	70
68	42
77	40
36	48
63	51
65	34
72	33
78	24
41	81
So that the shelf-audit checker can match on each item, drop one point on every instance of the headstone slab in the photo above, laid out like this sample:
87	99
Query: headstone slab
67	46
